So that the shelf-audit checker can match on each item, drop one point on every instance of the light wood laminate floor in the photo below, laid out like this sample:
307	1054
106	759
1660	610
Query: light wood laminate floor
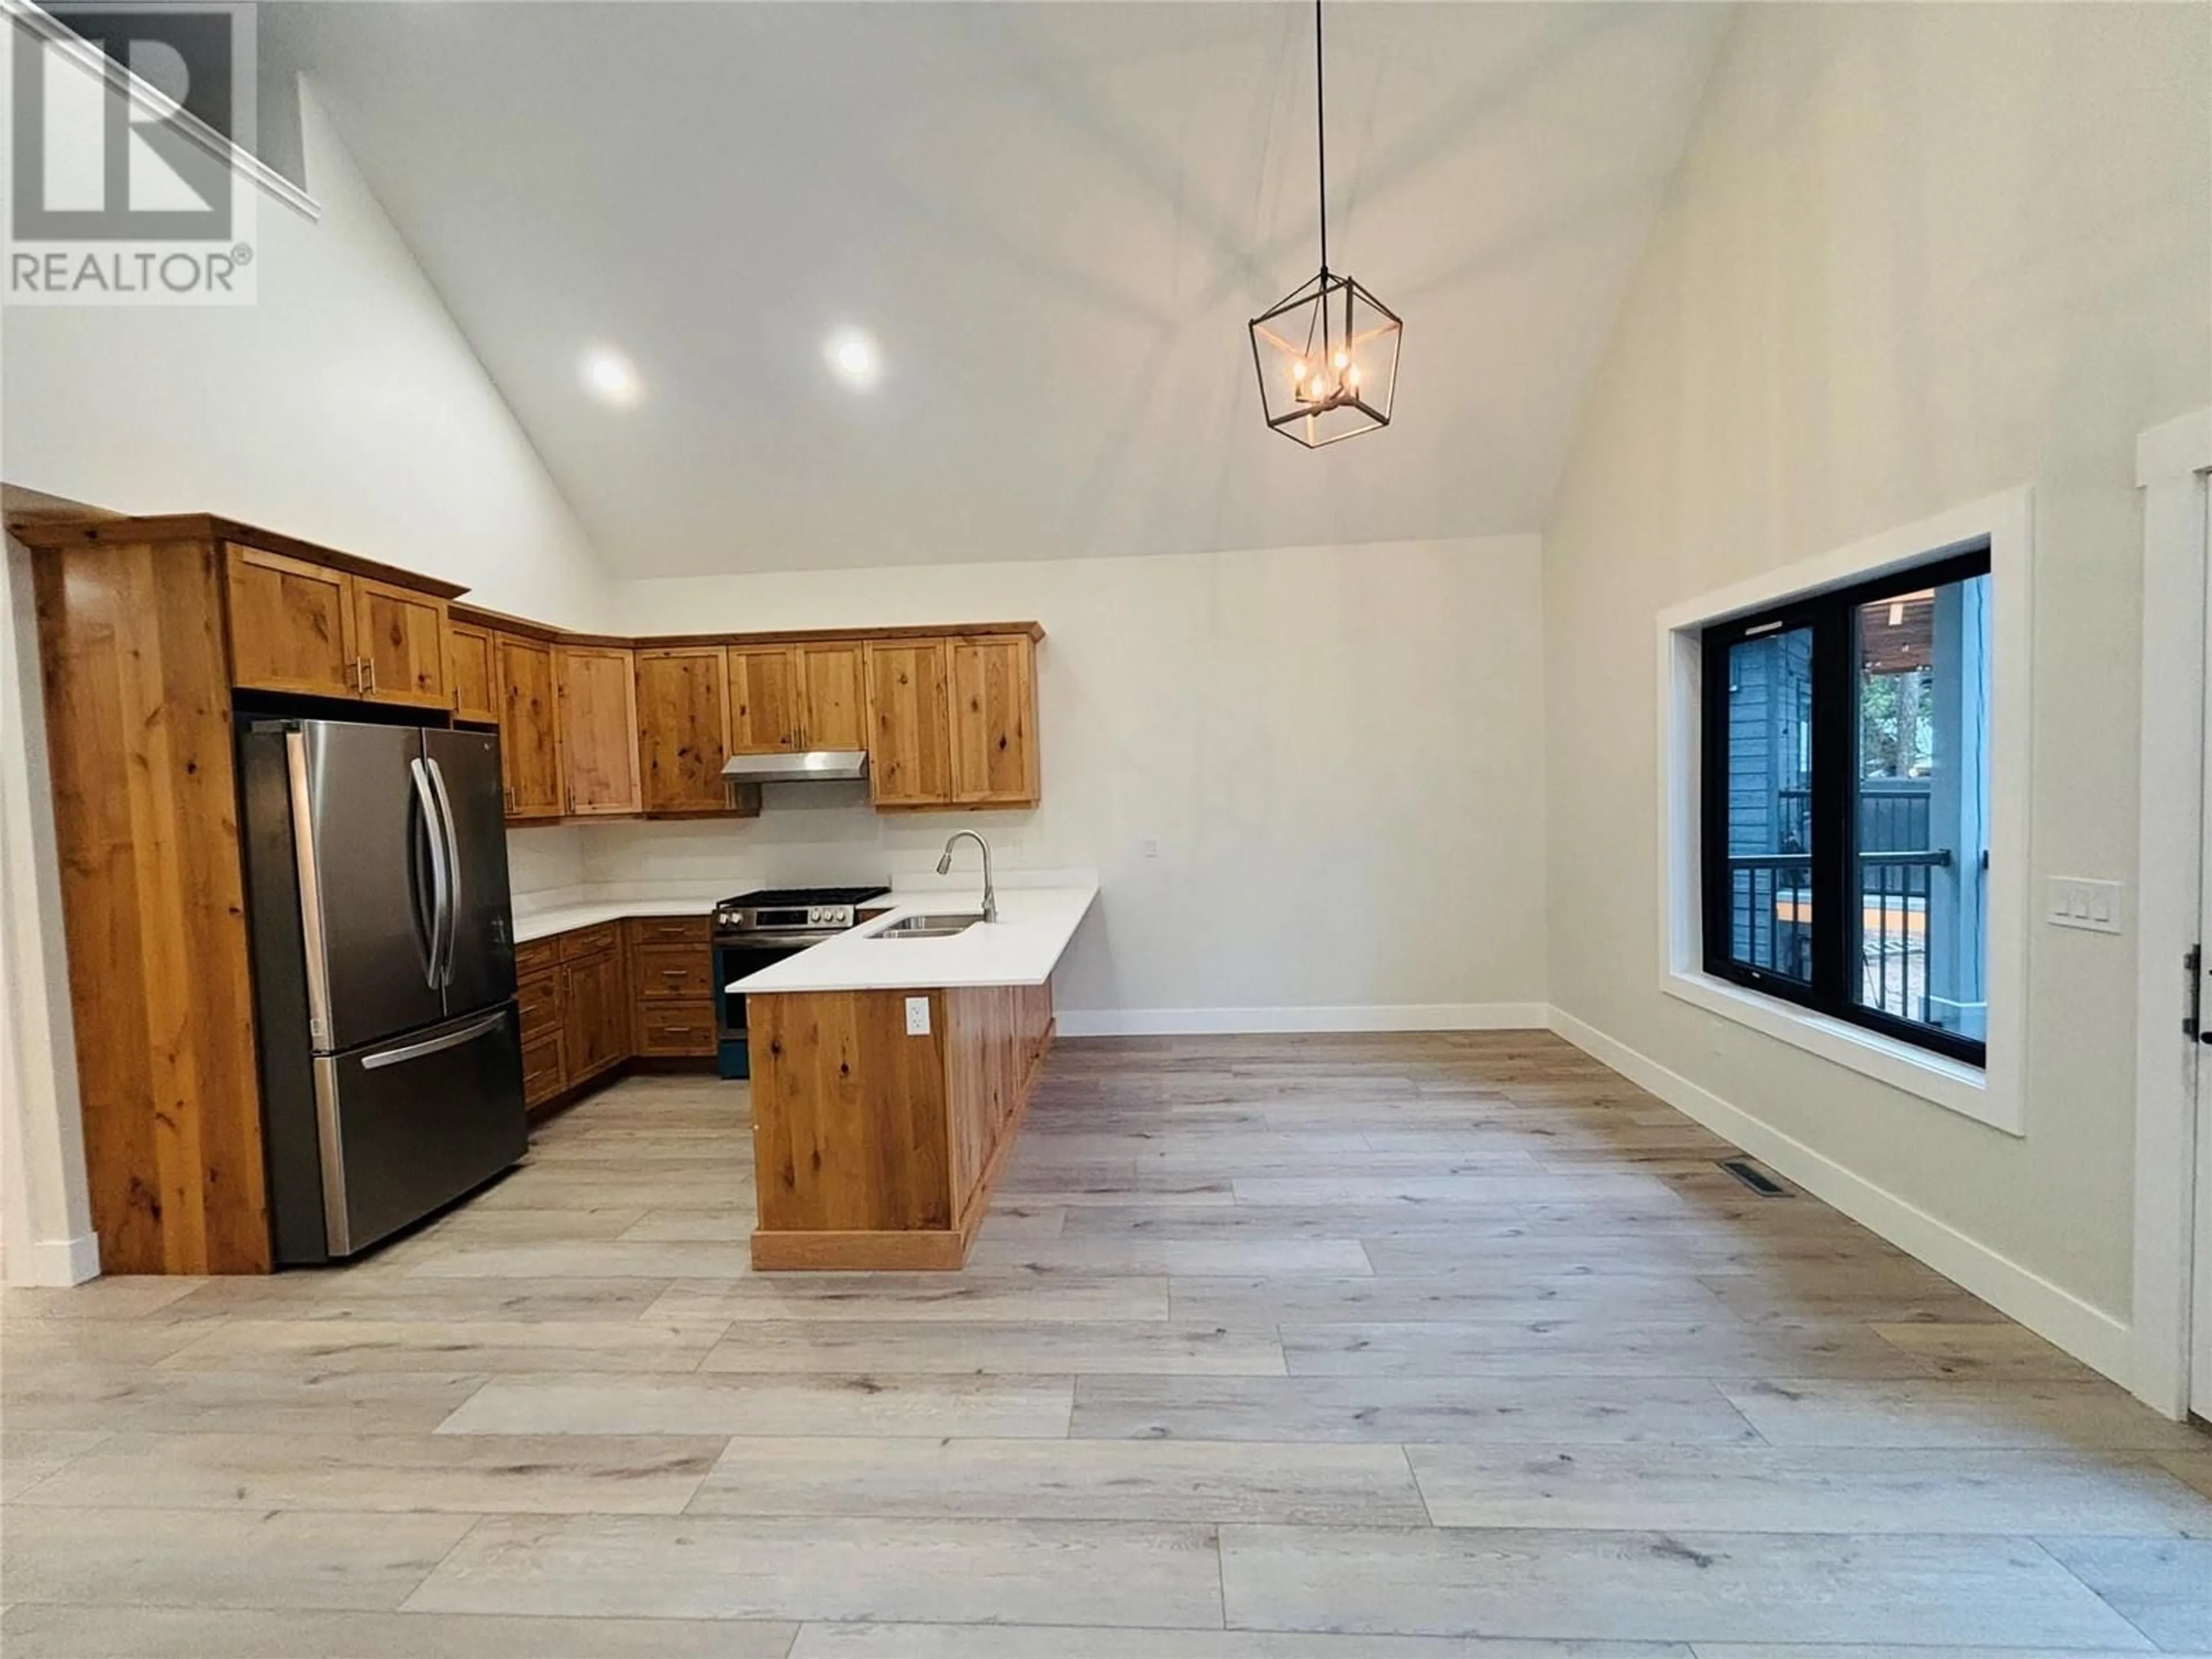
1424	1347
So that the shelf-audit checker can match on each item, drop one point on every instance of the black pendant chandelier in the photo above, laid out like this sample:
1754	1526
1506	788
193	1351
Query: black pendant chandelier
1326	352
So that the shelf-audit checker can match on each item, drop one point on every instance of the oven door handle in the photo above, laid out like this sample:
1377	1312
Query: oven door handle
787	942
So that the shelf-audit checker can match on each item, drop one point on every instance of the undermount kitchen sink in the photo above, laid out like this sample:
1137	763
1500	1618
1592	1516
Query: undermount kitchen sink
939	926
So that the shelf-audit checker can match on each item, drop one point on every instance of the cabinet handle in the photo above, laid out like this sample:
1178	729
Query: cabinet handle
676	973
676	1030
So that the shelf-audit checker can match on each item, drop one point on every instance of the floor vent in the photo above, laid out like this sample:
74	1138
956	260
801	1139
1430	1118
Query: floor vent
1752	1176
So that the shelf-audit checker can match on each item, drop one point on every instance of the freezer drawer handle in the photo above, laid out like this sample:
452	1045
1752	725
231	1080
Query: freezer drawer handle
434	1045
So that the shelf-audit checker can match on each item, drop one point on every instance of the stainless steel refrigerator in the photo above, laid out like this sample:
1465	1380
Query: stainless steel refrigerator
383	975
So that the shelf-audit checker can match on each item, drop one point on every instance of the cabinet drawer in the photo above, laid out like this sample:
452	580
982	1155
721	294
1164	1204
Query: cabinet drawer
545	1072
537	997
671	930
590	941
537	956
676	1028
658	971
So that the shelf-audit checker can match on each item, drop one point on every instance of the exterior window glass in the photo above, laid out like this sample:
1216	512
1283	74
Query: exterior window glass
1770	819
1923	805
1846	802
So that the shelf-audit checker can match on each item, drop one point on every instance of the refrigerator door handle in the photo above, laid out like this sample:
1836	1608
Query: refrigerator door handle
450	834
436	1045
441	896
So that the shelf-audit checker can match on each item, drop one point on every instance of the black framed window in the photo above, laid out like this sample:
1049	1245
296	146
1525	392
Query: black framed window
1845	809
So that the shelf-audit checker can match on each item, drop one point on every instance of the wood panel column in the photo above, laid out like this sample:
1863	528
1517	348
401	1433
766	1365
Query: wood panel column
138	695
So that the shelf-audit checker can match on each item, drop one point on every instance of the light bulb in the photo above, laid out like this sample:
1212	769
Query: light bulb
1298	369
1352	375
1342	360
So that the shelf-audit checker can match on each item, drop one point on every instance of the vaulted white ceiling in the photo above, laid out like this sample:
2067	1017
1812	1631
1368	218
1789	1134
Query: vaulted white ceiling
1055	219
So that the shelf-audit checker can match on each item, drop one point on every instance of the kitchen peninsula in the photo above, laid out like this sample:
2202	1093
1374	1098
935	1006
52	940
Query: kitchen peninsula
890	1067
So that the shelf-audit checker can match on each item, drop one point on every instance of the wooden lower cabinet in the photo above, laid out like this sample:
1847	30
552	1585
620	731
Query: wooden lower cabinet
875	1148
596	998
595	1020
537	995
672	976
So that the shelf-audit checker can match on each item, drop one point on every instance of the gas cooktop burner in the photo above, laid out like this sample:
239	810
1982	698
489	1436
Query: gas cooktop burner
783	911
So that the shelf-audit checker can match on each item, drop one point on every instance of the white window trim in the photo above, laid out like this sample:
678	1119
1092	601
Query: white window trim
1997	1095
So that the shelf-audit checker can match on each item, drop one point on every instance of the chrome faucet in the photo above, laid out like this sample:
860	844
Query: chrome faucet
945	867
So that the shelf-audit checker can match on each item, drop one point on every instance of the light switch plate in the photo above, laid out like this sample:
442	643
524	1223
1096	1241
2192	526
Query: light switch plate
917	1016
2080	902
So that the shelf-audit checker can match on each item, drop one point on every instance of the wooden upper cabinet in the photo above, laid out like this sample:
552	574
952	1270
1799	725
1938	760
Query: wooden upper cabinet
291	624
472	672
763	701
309	628
683	729
995	747
598	724
833	697
529	747
910	755
400	634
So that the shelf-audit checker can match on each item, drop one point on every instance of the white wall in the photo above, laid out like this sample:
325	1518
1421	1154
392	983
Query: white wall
1339	751
1915	255
345	407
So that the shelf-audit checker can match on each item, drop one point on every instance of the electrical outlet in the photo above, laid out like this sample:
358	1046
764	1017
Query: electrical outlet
2078	901
1149	847
917	1016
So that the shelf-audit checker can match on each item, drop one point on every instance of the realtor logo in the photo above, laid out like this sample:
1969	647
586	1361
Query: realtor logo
124	191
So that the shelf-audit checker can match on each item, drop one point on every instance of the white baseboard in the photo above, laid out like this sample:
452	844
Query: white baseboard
1236	1022
2090	1334
55	1261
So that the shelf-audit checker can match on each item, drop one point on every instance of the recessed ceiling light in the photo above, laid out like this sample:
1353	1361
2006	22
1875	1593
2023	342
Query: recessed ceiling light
853	357
612	377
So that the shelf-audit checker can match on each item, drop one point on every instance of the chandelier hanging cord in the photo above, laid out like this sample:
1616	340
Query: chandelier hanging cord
1321	138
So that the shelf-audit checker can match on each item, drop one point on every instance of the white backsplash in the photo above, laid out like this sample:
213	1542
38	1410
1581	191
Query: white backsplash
808	834
544	866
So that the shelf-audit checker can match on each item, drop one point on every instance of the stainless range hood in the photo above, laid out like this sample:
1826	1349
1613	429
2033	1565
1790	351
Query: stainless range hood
824	765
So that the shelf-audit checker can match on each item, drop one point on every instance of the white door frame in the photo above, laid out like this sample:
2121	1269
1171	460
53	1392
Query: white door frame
2171	462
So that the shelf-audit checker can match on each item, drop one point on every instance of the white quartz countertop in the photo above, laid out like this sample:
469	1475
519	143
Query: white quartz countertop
566	918
1021	948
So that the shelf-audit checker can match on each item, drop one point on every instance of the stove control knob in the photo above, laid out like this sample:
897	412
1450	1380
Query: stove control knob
814	916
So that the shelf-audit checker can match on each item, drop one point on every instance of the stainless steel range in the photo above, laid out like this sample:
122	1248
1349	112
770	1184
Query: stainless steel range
756	930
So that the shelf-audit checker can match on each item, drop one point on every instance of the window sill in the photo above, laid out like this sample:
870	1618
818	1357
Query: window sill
1950	1084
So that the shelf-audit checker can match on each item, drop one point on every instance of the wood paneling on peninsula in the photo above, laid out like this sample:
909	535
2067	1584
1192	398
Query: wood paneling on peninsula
877	1148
